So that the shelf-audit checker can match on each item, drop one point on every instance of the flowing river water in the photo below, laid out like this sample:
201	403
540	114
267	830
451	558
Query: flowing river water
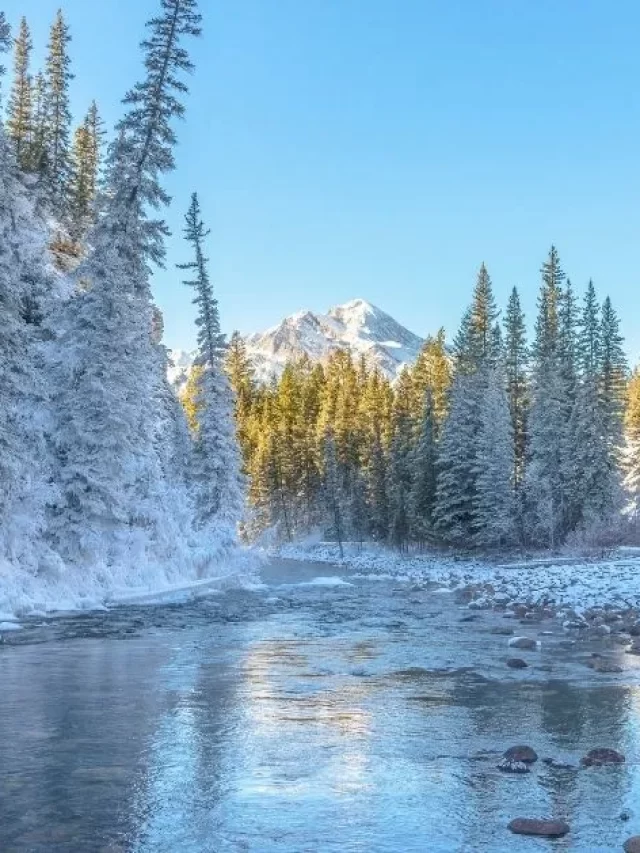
307	715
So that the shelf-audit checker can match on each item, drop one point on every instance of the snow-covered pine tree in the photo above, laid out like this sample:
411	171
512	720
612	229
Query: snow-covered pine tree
545	483
494	506
20	119
23	459
613	373
475	343
478	349
217	478
596	423
58	117
516	363
38	159
457	469
114	496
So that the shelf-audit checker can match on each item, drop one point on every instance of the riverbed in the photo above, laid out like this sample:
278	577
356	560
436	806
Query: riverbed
315	712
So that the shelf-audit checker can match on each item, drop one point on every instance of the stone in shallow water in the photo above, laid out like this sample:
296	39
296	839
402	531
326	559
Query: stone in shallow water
517	663
632	845
599	757
541	828
525	643
604	666
521	753
554	764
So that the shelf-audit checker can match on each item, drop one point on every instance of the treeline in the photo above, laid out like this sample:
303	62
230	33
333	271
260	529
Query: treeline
491	442
39	126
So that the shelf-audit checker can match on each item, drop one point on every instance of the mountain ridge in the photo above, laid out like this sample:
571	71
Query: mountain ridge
357	326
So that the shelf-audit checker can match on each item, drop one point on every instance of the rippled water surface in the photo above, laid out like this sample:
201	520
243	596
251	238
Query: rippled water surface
308	715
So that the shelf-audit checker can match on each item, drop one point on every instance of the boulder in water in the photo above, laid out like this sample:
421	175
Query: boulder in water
600	757
525	754
632	845
517	663
540	828
527	644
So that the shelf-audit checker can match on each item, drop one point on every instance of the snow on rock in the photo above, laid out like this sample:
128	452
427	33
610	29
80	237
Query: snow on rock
568	587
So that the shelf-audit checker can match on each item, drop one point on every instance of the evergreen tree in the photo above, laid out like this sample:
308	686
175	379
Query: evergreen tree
422	498
613	371
516	363
114	496
457	464
216	456
85	168
58	116
20	119
589	336
333	491
400	469
546	485
494	507
38	156
476	341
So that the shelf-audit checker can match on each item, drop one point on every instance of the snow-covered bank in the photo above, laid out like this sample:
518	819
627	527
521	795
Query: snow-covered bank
23	593
553	582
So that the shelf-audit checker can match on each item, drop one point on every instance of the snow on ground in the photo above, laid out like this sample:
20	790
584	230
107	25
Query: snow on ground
559	583
23	593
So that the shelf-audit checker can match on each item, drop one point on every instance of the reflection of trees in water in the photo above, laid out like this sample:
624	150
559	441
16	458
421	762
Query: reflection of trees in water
560	720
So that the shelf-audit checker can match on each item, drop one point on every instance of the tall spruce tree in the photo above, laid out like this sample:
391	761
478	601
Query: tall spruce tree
38	156
85	169
494	506
20	118
516	361
58	116
546	486
422	497
613	372
216	457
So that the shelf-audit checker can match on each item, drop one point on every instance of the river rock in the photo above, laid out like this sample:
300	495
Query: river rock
632	845
527	644
525	754
599	757
554	764
634	629
502	631
517	663
507	765
604	665
634	648
540	828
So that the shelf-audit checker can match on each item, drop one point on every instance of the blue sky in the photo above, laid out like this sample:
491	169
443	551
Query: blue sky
380	149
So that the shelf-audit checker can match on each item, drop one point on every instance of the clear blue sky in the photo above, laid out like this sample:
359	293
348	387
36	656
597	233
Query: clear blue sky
384	148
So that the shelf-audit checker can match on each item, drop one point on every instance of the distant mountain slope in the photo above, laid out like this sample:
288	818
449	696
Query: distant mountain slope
356	326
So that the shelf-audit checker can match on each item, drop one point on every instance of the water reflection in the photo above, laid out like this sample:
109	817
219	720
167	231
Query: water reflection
362	718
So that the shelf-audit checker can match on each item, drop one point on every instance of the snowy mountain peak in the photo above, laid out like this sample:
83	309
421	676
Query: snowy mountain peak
356	326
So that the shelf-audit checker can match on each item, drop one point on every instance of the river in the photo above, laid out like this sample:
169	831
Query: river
312	714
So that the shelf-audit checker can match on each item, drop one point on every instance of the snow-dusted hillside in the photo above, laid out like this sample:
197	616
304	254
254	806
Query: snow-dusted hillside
356	326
